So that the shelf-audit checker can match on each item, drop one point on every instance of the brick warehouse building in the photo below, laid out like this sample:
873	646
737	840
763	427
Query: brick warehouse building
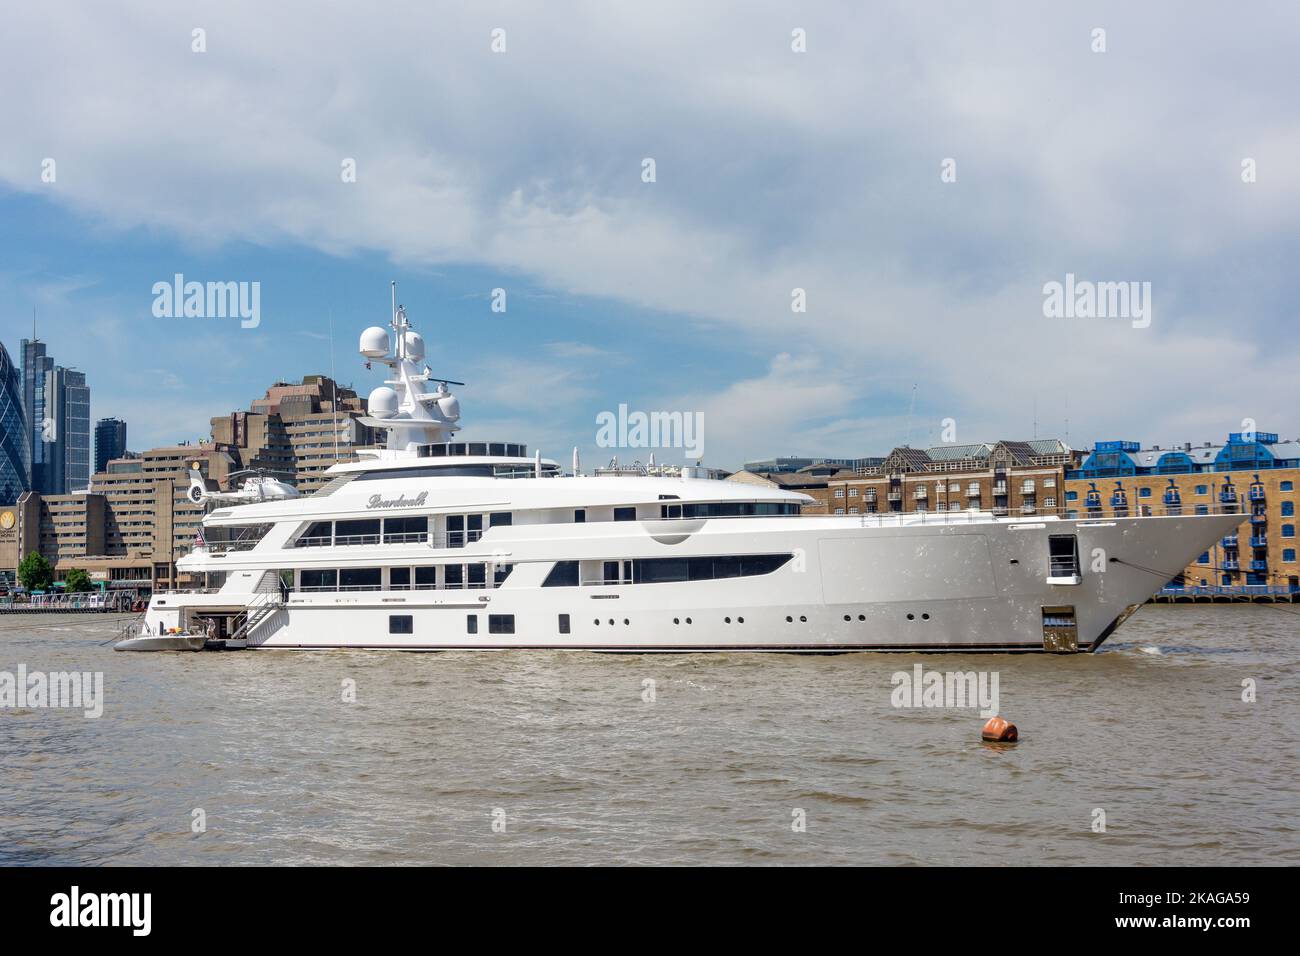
1005	477
1254	474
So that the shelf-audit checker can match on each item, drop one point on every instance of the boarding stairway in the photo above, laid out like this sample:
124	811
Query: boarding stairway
259	609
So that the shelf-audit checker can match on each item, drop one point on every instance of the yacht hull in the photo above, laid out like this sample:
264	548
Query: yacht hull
941	586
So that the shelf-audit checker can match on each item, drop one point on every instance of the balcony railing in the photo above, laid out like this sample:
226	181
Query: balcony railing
1205	589
1256	494
1229	540
437	539
1258	519
1258	565
1259	541
1227	496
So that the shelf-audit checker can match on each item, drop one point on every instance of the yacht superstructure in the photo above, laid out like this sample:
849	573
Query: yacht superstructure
432	542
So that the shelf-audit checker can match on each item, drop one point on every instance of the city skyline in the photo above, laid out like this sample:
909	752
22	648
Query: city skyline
202	432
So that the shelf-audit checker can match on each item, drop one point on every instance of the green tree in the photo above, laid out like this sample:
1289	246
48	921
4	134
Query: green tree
35	573
77	580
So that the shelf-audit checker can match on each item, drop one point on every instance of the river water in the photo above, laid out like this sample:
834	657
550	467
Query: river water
705	759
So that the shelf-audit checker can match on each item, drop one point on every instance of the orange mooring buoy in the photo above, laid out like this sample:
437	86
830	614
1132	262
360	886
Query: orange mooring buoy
1000	730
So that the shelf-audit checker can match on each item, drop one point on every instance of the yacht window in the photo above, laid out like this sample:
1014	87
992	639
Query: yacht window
497	449
364	531
501	623
501	573
401	624
563	575
625	514
318	534
564	624
360	579
317	579
429	471
399	579
737	509
1063	552
723	567
454	575
426	578
580	516
500	517
463	530
477	575
405	530
471	624
661	570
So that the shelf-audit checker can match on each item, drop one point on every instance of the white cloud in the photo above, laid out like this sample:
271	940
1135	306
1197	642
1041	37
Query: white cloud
775	170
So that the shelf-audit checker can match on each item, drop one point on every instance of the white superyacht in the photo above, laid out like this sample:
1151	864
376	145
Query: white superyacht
433	543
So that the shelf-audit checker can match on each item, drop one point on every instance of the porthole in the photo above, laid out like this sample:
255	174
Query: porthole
802	618
611	622
626	622
596	622
688	620
862	617
727	620
911	617
789	619
740	620
677	620
925	617
848	617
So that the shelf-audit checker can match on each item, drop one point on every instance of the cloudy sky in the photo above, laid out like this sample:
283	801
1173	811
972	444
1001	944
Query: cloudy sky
774	169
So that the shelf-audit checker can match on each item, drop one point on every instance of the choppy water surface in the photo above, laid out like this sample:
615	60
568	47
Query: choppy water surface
1153	730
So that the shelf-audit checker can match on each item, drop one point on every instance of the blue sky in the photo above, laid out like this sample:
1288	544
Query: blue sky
775	170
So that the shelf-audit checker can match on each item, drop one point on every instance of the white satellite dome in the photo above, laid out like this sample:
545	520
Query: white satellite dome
450	407
374	342
383	402
414	347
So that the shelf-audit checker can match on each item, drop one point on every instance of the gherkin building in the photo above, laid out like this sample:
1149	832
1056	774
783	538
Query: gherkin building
15	475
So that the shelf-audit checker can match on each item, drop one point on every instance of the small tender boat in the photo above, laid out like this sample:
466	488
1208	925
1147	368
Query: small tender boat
162	642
